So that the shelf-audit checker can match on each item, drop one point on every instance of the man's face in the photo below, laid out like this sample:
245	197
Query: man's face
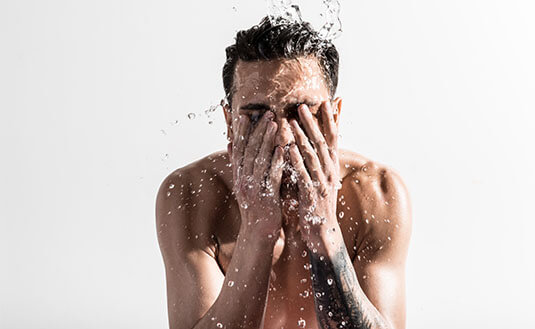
279	86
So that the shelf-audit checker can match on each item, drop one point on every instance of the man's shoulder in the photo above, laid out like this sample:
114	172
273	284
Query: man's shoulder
211	171
382	198
196	191
353	163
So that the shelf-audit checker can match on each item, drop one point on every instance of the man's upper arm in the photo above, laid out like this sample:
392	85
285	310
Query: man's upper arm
193	276
380	262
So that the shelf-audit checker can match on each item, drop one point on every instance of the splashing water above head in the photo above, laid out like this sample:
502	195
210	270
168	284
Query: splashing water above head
287	12
333	25
283	11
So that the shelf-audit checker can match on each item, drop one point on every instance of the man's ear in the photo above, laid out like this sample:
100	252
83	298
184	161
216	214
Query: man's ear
337	108
227	112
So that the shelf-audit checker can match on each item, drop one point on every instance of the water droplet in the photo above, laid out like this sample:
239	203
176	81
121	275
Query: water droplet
341	214
171	186
304	254
329	281
347	165
301	323
163	132
304	294
191	116
219	325
244	205
303	280
230	283
357	181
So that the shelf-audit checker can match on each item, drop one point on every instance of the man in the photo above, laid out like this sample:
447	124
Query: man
284	230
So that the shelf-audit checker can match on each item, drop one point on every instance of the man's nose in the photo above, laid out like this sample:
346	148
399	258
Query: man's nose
284	133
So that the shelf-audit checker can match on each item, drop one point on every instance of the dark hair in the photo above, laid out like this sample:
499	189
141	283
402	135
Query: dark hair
281	39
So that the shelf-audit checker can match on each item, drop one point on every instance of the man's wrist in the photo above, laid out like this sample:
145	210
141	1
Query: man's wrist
327	239
258	235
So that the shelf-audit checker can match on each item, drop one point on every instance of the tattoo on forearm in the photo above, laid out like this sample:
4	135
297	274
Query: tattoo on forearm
338	303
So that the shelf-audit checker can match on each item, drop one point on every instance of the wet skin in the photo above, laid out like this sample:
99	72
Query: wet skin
358	267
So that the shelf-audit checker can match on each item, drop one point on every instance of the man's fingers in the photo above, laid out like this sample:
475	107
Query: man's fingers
310	157
304	180
239	143
263	159
329	126
254	143
275	175
316	137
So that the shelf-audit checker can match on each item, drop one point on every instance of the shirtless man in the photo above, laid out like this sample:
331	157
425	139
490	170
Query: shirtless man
283	229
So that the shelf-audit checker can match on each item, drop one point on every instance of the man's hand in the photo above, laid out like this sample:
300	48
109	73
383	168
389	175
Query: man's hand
315	159
257	173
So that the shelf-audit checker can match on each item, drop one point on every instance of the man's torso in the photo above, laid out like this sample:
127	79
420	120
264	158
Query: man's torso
217	220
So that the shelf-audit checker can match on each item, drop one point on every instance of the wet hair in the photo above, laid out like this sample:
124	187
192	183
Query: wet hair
281	39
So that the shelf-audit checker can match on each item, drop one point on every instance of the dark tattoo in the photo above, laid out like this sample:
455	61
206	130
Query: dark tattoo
338	298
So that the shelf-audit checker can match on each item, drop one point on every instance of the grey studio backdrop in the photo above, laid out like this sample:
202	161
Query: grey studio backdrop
90	96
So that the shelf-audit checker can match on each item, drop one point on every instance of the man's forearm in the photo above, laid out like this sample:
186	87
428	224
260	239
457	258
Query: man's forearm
242	300
339	299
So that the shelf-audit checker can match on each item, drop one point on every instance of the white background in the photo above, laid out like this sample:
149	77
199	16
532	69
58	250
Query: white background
441	91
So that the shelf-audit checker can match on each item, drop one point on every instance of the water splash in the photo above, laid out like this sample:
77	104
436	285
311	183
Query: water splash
333	25
283	11
286	11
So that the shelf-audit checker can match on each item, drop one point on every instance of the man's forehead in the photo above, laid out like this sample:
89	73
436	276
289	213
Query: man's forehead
290	79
